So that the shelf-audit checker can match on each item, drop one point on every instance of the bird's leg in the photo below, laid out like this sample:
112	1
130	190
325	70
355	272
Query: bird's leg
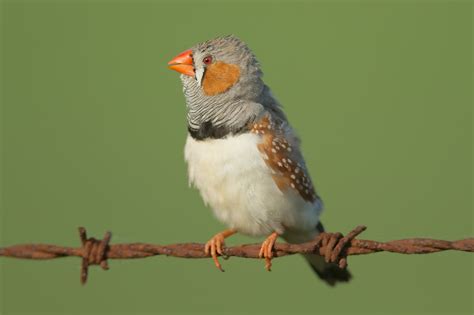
215	244
266	250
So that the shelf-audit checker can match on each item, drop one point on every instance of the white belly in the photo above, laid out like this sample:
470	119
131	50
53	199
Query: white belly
235	182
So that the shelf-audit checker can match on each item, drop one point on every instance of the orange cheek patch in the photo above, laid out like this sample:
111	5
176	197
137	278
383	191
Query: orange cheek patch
220	77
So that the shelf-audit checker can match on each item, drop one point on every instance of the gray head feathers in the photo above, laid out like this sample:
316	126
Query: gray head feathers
229	112
229	49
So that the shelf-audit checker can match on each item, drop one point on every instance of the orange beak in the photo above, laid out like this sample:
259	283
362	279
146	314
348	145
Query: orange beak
183	63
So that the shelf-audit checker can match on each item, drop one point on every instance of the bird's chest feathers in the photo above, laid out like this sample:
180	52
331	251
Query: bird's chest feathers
236	180
222	168
219	77
232	179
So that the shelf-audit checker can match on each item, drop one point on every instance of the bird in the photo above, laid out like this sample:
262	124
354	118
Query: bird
243	155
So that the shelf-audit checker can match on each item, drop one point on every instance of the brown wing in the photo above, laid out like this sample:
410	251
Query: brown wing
284	159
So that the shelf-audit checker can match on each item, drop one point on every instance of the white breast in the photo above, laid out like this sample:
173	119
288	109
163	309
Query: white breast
235	182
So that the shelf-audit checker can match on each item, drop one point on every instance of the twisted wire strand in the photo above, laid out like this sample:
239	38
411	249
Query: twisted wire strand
333	246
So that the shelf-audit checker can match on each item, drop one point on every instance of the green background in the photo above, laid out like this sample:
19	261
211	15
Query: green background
93	128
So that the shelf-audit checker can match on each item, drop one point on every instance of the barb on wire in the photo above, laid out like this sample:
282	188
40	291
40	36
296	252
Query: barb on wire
333	246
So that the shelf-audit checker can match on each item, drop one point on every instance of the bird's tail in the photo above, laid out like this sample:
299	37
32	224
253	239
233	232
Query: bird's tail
328	272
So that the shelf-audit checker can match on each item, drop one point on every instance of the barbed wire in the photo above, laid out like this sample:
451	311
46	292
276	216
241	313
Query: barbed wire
333	246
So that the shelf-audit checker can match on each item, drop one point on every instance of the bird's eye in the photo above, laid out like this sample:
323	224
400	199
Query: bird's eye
207	60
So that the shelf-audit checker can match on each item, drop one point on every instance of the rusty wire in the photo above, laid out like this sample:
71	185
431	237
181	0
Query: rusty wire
333	246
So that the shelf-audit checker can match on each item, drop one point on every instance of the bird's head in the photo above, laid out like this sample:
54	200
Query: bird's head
224	65
223	87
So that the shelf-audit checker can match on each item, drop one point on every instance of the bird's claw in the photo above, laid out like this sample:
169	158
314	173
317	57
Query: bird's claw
266	250
214	247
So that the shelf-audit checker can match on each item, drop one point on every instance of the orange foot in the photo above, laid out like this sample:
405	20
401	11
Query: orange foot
266	251
215	244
